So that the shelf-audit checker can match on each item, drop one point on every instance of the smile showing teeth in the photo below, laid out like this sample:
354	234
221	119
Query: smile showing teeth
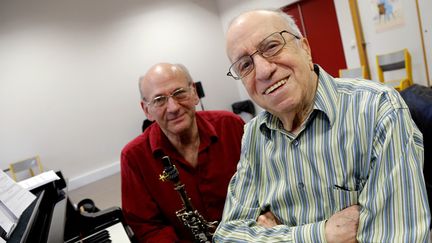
275	86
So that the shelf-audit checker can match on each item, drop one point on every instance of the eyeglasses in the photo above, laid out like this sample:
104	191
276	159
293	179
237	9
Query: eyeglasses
268	47
179	95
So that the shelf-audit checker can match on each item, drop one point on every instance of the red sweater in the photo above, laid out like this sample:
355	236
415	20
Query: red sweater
149	204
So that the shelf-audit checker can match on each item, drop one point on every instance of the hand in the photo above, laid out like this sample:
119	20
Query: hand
342	226
268	220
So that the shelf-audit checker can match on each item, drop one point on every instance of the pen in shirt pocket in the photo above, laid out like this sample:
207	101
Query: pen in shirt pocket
358	187
342	188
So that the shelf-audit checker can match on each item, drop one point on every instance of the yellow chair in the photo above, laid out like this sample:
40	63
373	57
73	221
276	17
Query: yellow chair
25	168
395	61
359	72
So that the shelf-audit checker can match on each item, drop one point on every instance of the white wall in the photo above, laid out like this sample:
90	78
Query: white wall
69	73
347	33
405	36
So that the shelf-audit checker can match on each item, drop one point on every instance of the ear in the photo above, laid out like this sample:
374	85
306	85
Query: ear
145	108
305	46
195	97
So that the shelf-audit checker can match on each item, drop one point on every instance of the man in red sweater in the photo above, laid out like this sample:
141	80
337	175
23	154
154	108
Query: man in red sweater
204	146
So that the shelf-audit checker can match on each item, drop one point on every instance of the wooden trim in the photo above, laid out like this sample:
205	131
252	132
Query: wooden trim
423	44
302	20
361	44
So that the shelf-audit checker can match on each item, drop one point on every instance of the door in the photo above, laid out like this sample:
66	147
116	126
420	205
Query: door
318	23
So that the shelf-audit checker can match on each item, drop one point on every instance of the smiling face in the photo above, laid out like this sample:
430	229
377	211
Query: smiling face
283	84
175	117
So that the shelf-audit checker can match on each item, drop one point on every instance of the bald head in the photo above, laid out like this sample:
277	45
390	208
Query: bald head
271	15
162	72
274	19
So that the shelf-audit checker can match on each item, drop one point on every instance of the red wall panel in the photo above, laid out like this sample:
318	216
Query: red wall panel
318	18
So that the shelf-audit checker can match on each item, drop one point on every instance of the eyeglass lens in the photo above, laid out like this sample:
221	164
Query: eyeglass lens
268	47
180	94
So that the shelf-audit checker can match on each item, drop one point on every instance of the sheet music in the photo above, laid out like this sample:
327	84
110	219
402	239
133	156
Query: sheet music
7	223
14	199
39	180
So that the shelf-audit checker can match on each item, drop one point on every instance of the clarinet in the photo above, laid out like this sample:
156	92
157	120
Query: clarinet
201	230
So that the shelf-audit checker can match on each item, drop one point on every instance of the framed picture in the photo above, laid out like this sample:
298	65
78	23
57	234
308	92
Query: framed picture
24	169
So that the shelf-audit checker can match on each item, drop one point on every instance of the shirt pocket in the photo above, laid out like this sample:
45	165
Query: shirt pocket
343	198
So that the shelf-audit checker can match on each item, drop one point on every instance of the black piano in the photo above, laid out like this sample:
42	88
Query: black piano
52	218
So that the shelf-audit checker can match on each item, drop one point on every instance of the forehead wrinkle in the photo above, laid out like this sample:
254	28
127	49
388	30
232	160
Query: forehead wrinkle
248	30
160	73
241	44
240	50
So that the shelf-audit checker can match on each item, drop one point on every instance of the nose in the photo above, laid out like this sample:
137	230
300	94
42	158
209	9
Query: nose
172	105
264	68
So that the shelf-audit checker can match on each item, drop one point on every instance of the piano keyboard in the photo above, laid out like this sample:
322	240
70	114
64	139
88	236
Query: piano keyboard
114	233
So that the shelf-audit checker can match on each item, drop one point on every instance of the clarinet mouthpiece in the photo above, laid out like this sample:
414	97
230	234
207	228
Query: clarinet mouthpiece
166	161
170	172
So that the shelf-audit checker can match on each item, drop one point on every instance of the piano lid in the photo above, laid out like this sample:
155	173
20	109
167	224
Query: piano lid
22	230
52	218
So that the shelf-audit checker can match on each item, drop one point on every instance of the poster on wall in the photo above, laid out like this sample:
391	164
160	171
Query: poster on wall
388	14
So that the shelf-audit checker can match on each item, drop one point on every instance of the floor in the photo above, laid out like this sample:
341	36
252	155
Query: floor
105	192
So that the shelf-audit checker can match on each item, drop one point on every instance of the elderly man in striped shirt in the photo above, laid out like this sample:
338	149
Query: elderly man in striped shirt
329	160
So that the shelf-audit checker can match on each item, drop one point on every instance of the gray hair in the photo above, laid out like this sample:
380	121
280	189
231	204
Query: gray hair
185	71
290	21
139	87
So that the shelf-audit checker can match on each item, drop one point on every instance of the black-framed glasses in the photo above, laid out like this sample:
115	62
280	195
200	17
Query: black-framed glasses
179	95
268	47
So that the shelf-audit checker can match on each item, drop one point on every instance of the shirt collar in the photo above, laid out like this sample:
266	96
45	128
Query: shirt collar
325	100
326	97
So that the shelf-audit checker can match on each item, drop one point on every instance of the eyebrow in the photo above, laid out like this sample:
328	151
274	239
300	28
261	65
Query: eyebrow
157	95
237	57
245	53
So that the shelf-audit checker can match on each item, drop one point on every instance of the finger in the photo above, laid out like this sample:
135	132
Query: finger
261	220
265	221
355	207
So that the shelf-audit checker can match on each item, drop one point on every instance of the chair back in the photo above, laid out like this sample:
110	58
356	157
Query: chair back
25	168
399	60
359	72
245	109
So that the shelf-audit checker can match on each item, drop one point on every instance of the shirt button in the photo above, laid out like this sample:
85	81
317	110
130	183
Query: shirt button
301	185
296	143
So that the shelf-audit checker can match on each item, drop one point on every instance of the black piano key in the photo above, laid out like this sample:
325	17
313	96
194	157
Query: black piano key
98	237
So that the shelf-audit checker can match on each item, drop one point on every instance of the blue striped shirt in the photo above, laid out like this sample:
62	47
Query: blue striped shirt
358	146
